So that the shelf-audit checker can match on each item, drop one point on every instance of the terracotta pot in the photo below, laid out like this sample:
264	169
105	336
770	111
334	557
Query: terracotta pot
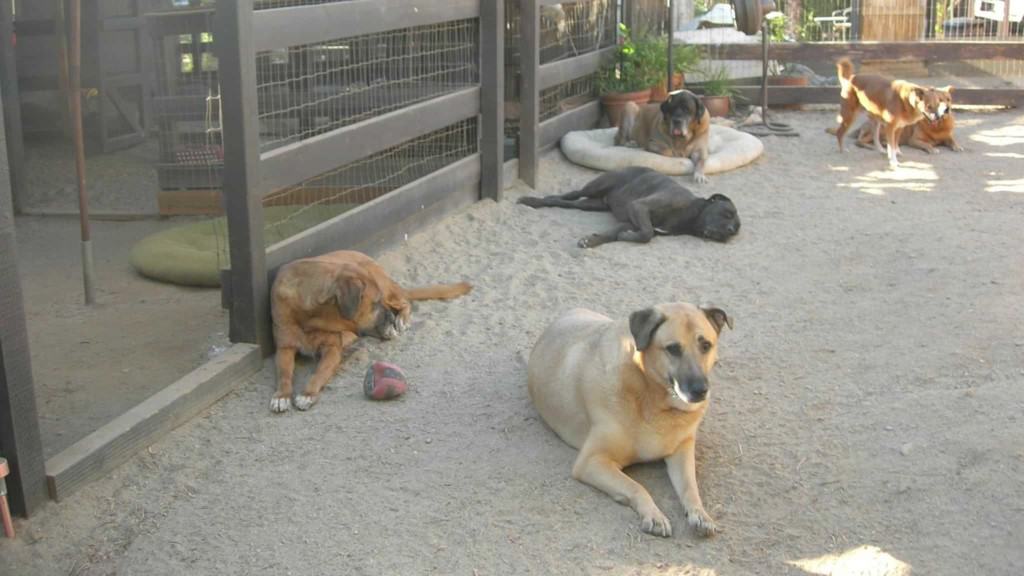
717	105
660	94
788	81
613	103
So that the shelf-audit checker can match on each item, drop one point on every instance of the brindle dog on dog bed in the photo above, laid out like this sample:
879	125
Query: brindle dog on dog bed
647	203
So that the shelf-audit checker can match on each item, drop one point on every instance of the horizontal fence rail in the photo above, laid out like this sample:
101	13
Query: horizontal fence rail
285	27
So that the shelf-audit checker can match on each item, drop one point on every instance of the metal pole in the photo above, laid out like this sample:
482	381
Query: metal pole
75	101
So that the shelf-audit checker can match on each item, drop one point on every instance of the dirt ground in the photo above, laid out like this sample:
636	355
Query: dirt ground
91	364
867	415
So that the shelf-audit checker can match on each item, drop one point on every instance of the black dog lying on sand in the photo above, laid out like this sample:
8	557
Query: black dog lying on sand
647	203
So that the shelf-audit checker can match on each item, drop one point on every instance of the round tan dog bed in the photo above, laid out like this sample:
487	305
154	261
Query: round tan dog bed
729	149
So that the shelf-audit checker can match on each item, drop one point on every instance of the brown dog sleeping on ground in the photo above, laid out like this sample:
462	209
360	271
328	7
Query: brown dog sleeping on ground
926	135
678	127
893	104
322	304
630	391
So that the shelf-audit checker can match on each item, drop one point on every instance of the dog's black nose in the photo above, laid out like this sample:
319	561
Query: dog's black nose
697	389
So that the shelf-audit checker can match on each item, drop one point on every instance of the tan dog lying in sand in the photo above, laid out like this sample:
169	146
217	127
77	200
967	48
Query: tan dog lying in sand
630	391
322	304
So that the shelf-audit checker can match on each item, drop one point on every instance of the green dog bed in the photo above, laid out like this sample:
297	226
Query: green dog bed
193	254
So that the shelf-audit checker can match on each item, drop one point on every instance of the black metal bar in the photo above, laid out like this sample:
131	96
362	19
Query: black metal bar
529	91
559	71
359	226
293	163
19	422
249	317
671	37
298	25
492	96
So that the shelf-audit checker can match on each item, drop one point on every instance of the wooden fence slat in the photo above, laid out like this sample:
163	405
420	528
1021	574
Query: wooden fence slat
900	51
529	92
298	25
299	161
778	95
492	98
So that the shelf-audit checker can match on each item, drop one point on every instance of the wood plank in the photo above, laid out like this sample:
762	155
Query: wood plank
189	202
249	317
511	169
116	441
555	73
19	422
34	27
529	91
777	95
122	23
298	25
582	118
360	225
174	22
12	108
856	51
492	98
294	163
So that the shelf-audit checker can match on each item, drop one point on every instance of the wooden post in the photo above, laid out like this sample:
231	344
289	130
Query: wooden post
492	98
19	424
12	108
855	18
249	310
529	97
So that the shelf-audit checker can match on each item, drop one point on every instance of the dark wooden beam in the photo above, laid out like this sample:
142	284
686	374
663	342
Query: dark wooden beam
857	51
299	161
584	117
116	441
12	107
529	91
492	98
777	95
20	442
298	25
249	321
554	73
358	226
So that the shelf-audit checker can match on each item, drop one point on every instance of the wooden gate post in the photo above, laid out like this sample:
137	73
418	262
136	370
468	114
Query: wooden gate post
19	423
492	98
249	306
529	98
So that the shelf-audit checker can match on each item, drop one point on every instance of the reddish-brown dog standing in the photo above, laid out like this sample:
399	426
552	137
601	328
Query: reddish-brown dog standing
895	103
926	135
322	304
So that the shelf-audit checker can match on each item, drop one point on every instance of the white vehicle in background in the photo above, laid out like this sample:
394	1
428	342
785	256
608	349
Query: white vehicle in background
996	9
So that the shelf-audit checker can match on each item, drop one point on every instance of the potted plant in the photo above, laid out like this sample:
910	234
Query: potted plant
685	58
628	77
718	90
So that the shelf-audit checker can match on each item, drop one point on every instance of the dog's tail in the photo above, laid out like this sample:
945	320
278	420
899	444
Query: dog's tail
844	69
439	291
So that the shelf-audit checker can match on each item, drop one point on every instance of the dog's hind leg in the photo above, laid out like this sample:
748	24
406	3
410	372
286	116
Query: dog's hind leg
285	360
595	240
643	229
849	107
602	473
330	360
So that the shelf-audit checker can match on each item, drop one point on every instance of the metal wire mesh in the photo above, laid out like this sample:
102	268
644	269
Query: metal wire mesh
573	28
307	90
295	208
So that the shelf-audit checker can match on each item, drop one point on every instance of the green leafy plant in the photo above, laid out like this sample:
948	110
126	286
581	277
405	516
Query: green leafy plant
685	57
777	22
717	82
634	68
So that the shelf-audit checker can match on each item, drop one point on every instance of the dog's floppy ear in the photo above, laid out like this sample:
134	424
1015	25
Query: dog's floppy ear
918	93
643	324
666	106
718	318
700	108
947	90
349	295
719	198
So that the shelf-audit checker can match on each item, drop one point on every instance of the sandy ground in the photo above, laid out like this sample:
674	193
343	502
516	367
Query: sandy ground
869	396
91	364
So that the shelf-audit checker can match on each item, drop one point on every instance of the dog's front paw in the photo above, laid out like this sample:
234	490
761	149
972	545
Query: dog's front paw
932	150
587	241
701	523
304	402
280	404
655	523
957	148
700	178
